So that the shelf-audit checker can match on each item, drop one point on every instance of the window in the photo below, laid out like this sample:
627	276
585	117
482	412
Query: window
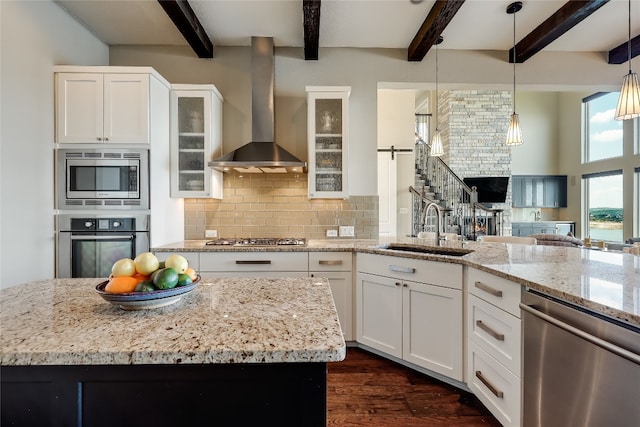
603	196
603	134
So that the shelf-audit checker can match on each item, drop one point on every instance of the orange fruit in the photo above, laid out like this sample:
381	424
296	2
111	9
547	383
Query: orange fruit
121	285
191	273
140	277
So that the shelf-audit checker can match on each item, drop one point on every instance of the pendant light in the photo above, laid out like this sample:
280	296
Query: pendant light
436	142
629	101
514	134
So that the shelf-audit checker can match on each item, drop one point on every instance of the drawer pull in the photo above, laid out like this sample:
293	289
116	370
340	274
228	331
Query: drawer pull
487	329
330	262
489	289
259	261
401	269
490	386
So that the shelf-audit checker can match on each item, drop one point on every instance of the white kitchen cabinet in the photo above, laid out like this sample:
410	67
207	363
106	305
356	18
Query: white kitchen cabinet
494	344
94	107
417	320
337	267
196	139
254	264
328	139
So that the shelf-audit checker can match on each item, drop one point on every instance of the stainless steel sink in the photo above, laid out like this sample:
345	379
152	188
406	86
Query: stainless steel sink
434	250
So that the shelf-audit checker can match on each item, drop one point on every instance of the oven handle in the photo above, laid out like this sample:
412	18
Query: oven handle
120	237
632	357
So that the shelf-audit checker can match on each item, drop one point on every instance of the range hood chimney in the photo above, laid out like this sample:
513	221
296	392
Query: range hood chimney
262	154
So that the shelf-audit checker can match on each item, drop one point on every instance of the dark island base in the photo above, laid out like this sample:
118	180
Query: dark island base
283	394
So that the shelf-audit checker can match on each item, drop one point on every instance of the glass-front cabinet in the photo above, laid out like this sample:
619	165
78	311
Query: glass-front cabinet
196	138
328	135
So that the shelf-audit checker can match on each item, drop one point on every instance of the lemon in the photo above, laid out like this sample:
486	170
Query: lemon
123	267
177	262
146	263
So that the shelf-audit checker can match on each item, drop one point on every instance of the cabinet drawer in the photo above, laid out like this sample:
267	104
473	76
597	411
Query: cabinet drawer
193	258
498	388
330	261
498	291
254	261
496	331
416	270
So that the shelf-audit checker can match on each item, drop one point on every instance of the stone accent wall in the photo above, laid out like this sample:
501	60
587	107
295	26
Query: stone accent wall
276	205
476	123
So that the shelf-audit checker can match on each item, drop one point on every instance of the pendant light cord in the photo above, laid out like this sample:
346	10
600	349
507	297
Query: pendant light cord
629	39
436	87
514	62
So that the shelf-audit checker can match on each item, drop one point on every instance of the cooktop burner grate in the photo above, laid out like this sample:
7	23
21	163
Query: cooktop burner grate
259	241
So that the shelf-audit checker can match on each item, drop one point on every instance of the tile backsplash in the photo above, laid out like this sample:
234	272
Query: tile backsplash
276	205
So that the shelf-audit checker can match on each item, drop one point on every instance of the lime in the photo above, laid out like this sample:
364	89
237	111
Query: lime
146	286
166	278
184	279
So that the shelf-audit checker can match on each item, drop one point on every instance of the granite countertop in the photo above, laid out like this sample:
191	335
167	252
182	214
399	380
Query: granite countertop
239	320
544	221
607	282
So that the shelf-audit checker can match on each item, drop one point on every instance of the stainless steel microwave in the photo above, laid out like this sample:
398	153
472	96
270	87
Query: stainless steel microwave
100	178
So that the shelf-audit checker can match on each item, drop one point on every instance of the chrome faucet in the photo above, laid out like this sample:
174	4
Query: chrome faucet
438	217
536	215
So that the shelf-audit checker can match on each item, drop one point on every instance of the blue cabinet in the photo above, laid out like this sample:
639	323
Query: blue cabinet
539	191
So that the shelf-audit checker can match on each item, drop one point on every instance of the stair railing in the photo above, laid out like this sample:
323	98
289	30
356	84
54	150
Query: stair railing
462	214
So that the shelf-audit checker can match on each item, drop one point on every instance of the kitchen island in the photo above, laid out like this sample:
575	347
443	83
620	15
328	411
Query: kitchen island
232	352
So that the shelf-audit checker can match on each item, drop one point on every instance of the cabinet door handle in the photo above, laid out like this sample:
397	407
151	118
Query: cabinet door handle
398	283
330	262
487	329
259	261
401	269
489	289
404	285
490	386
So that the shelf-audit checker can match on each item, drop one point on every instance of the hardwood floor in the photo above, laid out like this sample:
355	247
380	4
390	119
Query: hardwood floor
368	390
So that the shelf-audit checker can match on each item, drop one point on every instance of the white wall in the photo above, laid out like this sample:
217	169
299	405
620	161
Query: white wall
34	36
538	155
365	70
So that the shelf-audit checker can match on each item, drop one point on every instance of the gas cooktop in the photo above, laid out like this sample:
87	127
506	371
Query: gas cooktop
259	241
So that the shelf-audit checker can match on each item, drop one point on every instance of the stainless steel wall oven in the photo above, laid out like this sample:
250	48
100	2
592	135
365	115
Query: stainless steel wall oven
101	178
88	245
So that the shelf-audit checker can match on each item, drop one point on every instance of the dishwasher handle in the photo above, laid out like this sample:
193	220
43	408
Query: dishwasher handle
630	356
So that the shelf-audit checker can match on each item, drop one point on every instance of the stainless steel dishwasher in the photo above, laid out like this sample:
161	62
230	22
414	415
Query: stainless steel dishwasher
580	368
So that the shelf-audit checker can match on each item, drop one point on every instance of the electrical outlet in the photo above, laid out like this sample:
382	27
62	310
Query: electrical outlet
332	233
211	233
347	231
404	211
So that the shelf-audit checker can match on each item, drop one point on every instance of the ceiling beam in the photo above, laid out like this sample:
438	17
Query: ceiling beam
439	17
564	19
620	54
311	22
185	19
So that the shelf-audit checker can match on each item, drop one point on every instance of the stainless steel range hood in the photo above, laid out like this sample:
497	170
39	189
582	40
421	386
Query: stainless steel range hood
262	154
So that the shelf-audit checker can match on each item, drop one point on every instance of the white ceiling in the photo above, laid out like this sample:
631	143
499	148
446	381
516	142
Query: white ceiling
478	25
